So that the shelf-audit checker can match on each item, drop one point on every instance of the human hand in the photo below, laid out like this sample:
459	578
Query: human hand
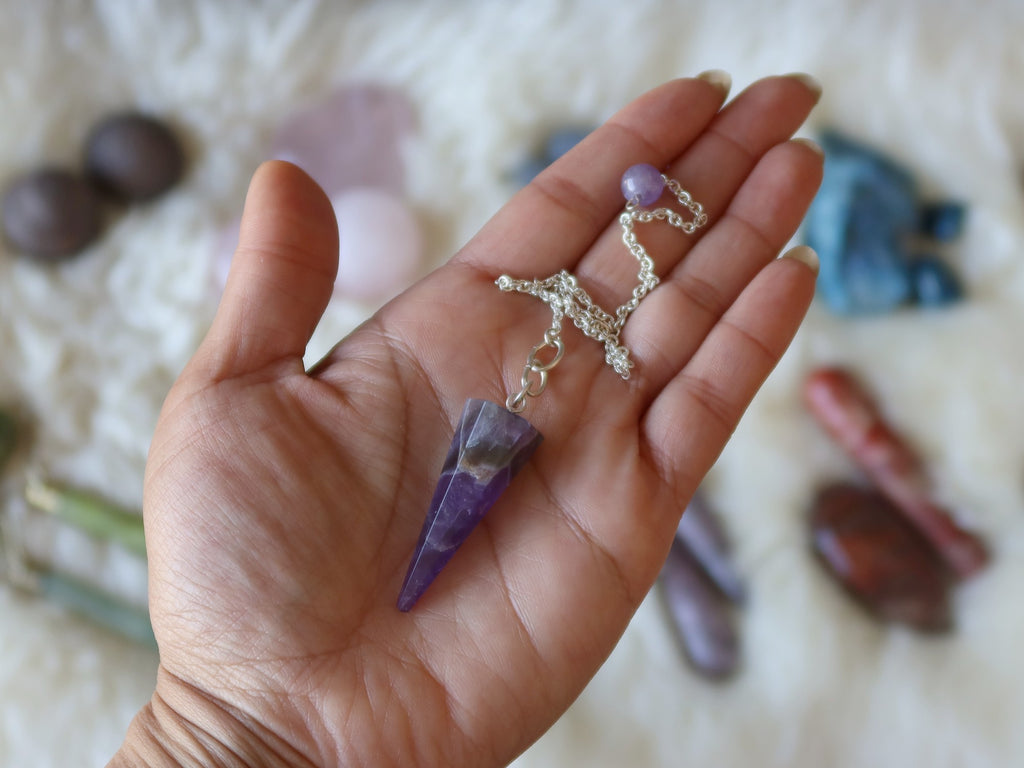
282	506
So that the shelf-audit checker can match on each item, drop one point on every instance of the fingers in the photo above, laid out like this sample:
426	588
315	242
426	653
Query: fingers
712	169
550	223
696	412
281	277
674	320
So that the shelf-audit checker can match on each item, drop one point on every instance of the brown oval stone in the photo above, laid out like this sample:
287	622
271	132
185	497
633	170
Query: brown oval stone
50	214
133	156
879	558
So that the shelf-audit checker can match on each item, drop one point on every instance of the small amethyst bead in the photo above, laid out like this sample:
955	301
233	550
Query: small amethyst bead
642	183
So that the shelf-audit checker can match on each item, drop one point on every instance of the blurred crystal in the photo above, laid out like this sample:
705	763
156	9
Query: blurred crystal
858	224
351	138
381	244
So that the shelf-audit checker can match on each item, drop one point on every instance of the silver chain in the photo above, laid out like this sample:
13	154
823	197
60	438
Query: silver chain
562	292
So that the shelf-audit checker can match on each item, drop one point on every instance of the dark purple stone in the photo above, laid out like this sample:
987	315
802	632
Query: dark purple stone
50	214
134	157
489	448
703	533
701	615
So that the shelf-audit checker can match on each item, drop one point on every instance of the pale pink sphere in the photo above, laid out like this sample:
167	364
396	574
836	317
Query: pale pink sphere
381	244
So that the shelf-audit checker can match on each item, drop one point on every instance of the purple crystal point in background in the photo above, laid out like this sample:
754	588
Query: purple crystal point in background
701	615
704	535
490	446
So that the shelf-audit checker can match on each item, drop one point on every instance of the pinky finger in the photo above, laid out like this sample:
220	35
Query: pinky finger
689	422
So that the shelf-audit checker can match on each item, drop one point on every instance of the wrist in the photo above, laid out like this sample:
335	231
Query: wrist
182	726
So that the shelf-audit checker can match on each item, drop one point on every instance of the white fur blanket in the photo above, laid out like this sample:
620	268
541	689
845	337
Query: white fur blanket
91	347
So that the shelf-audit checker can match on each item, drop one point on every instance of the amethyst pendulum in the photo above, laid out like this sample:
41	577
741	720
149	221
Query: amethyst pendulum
490	446
492	443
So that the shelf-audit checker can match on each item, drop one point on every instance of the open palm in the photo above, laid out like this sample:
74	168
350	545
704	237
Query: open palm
282	506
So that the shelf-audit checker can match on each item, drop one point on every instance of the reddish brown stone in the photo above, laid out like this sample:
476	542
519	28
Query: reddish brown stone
880	558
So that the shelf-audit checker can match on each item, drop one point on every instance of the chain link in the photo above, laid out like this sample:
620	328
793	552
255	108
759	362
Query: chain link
563	294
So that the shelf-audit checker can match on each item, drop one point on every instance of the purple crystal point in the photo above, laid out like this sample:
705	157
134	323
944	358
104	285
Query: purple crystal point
489	448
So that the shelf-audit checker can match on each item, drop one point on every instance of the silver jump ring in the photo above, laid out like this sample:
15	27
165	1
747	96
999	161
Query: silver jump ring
536	365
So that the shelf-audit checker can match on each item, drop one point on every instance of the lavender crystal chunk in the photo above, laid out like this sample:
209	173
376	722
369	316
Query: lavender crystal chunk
489	448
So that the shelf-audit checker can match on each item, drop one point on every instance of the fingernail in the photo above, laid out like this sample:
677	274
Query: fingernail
811	144
810	82
719	78
805	255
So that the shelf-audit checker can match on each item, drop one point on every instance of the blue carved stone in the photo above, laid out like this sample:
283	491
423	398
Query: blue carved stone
489	448
935	284
858	223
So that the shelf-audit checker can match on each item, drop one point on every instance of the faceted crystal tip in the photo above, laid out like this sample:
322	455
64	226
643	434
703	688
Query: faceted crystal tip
489	448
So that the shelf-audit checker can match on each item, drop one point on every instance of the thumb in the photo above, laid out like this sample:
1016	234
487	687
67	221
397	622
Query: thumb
281	276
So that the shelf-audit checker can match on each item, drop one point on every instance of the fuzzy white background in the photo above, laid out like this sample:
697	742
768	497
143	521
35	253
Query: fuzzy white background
91	347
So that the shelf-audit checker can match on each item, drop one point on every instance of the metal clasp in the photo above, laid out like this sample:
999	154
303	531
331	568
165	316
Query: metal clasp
535	373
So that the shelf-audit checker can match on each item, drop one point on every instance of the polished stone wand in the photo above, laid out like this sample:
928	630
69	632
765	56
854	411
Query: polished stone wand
853	419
